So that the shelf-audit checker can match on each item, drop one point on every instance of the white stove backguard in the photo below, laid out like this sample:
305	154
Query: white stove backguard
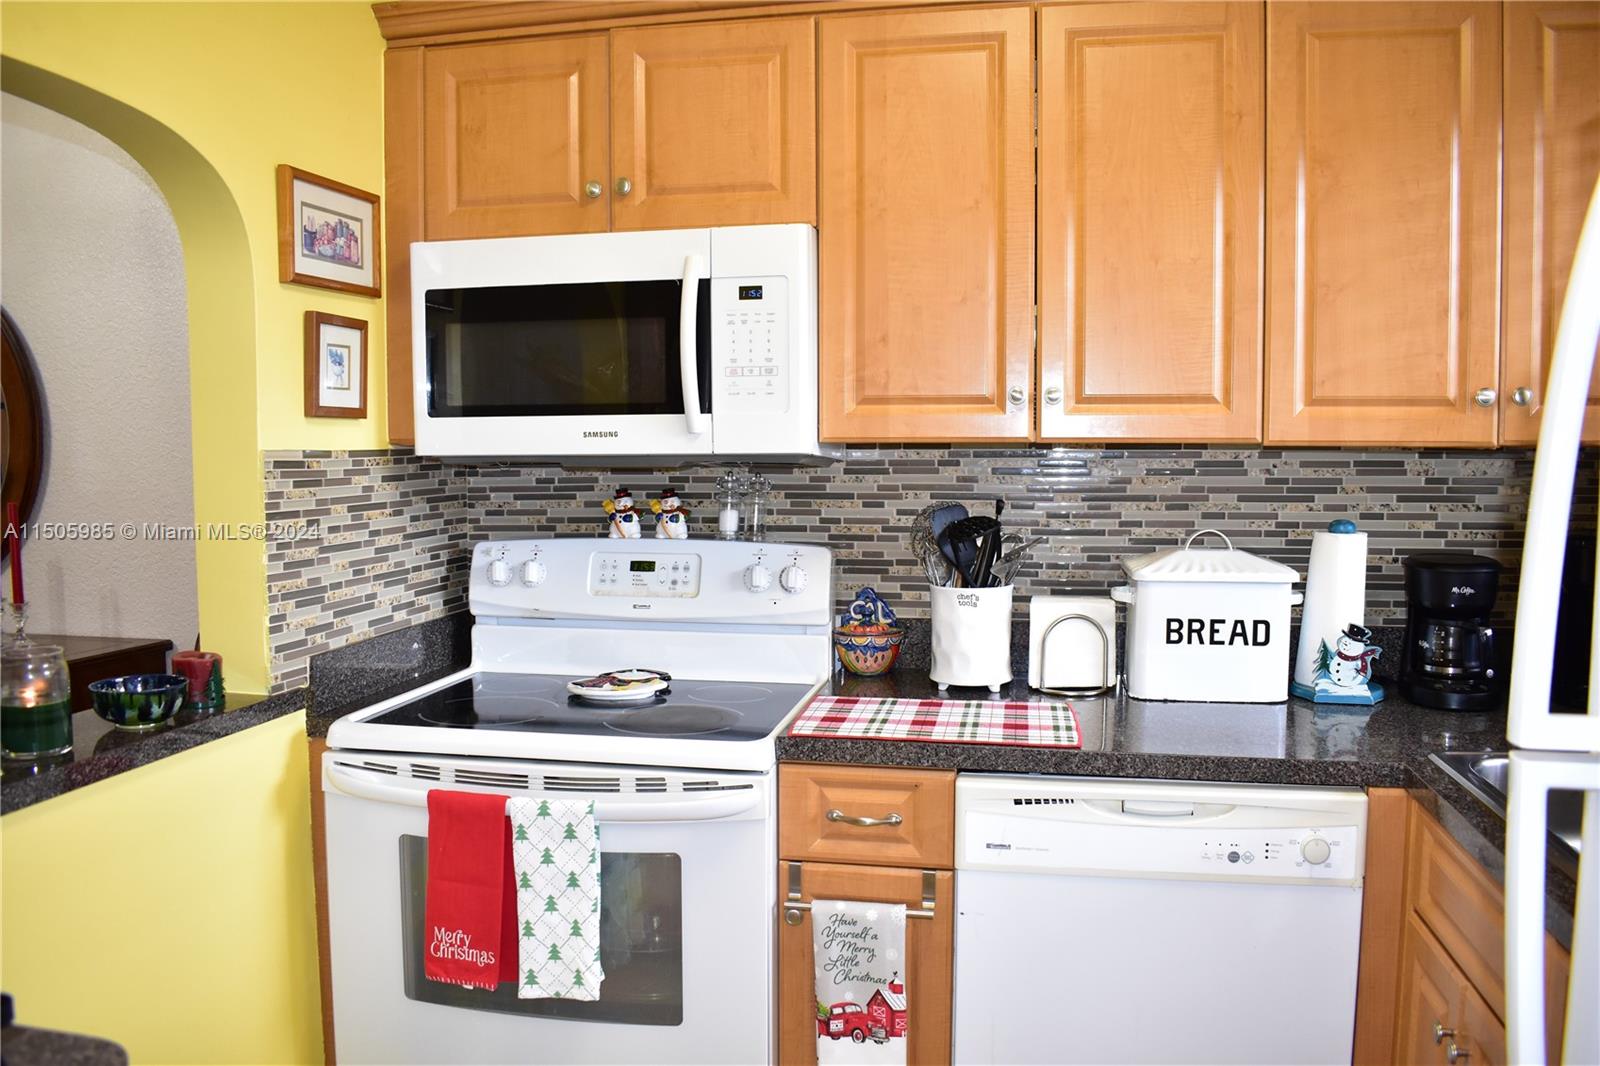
699	583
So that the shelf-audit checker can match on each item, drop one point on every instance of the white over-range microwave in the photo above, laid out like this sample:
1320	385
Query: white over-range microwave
664	346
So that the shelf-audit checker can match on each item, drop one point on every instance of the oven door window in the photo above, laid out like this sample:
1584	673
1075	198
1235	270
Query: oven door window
593	348
641	944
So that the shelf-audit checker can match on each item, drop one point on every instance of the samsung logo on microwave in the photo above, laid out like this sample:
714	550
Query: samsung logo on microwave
600	433
1219	631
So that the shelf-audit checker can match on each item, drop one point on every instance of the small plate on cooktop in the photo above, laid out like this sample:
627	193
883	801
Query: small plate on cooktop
620	686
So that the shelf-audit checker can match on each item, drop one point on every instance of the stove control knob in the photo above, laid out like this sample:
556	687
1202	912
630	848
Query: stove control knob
499	572
757	578
792	578
1315	851
533	573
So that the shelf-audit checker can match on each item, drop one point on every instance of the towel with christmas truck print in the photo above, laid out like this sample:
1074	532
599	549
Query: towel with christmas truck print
555	852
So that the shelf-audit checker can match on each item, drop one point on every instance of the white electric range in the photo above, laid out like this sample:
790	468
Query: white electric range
683	782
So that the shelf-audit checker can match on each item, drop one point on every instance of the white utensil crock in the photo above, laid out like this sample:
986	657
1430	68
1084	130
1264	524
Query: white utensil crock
971	636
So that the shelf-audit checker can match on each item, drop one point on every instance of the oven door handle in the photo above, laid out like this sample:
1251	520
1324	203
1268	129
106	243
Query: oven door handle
668	807
694	269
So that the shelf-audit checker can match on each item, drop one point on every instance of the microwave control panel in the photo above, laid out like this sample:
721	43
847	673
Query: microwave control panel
749	342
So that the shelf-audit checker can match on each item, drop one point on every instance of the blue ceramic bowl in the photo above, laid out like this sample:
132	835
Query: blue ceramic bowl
867	650
138	701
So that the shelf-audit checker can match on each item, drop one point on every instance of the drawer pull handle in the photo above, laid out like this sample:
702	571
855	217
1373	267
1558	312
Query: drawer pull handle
837	815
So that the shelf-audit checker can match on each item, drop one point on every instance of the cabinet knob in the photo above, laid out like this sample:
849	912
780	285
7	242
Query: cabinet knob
593	190
624	186
1453	1053
1485	397
1017	394
1052	395
1522	397
1440	1032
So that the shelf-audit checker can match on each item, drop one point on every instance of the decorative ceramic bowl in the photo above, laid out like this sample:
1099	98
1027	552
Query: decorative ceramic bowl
867	649
138	701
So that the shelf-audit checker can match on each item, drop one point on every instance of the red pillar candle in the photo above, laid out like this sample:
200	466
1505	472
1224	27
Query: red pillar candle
14	531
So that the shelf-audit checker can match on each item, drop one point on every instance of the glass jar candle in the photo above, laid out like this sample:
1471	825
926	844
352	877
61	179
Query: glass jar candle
35	701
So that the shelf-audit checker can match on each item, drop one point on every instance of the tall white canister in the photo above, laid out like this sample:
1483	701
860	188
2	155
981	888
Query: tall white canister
971	636
1334	662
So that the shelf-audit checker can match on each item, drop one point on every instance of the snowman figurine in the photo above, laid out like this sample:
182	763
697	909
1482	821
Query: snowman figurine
1350	666
622	519
672	521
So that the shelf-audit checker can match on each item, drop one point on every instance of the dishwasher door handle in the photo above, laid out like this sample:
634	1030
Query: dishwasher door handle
1158	808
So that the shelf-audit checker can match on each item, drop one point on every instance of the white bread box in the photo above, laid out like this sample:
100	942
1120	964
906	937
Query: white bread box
1208	625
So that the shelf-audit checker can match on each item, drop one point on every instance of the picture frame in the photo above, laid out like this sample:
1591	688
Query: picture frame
336	366
330	234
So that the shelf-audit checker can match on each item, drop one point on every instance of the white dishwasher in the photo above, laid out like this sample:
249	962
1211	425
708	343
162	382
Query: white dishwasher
1119	921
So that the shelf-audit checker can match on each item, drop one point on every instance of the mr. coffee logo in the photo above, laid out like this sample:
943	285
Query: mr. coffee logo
1463	590
457	944
966	599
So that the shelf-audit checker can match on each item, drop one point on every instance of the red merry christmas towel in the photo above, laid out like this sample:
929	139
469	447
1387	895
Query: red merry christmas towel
469	862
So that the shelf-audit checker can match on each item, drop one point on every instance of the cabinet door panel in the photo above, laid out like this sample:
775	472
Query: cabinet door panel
1150	202
1431	992
930	946
714	125
926	242
1552	146
402	216
1382	207
514	132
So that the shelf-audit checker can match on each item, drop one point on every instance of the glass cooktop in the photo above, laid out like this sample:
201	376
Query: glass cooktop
540	703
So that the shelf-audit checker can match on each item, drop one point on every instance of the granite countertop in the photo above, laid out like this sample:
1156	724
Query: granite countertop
99	750
1292	743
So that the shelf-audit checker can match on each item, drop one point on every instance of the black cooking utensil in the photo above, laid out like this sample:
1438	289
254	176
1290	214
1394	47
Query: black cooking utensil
939	522
965	539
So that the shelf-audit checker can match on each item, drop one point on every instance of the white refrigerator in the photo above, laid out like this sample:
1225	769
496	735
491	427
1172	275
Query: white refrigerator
1550	750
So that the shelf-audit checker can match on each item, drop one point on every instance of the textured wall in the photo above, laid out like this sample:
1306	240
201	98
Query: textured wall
1093	507
92	273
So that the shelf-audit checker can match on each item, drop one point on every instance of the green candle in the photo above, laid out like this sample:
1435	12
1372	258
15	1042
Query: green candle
36	729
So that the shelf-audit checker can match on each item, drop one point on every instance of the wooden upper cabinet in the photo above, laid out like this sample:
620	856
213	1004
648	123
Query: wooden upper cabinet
513	133
402	219
714	124
1383	128
926	226
1552	146
1150	202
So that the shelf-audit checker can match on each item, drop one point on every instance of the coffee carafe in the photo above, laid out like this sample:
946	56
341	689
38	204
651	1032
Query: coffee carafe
1449	659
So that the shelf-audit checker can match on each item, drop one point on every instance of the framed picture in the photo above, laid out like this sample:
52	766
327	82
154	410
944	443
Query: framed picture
336	366
328	233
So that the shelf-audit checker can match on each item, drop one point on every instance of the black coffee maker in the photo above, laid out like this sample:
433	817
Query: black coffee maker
1449	659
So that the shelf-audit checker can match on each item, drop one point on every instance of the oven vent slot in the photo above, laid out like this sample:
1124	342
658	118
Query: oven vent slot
491	778
712	786
1031	801
381	767
649	784
425	772
582	784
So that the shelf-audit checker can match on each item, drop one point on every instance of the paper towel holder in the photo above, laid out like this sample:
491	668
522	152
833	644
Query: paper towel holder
1106	666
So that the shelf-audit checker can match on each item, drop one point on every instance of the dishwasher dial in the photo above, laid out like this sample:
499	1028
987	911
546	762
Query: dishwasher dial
1315	851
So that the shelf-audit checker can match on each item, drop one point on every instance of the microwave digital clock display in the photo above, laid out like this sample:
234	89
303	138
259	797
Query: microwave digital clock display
749	292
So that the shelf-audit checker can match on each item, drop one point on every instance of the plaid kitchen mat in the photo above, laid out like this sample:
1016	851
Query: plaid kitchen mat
1031	725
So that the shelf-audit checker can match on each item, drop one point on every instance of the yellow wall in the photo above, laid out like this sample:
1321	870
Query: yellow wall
170	908
210	98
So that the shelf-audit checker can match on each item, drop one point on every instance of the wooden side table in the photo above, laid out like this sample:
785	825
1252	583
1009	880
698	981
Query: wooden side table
95	658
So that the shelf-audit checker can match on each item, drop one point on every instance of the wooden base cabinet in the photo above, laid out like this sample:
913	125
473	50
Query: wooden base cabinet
1383	131
1442	1019
930	943
1150	201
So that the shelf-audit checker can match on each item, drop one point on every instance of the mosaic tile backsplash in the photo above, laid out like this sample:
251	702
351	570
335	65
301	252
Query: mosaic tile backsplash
395	527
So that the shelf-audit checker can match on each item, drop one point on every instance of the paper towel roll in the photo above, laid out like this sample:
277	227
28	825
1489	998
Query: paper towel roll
1336	593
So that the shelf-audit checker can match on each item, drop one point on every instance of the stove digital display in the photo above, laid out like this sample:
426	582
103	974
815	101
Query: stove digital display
642	566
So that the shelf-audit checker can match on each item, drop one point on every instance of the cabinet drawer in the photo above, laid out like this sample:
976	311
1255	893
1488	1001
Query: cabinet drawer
917	809
1460	904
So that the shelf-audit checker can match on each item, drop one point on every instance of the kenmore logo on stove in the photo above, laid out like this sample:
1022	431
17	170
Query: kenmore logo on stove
600	433
998	847
1219	631
1463	590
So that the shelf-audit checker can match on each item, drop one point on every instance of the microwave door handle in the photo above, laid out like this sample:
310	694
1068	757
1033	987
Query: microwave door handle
694	270
364	784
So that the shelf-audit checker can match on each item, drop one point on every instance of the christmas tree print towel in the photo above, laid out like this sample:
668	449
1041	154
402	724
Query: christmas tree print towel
555	852
861	1010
